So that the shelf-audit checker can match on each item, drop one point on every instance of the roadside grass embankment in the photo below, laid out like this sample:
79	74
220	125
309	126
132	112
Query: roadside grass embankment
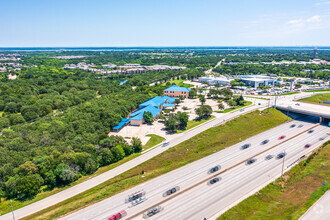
318	90
289	93
247	103
317	98
201	145
291	196
193	123
153	141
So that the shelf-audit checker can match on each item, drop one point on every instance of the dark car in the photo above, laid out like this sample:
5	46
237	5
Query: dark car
212	181
310	131
245	146
152	211
281	155
214	169
119	215
268	157
307	145
265	141
293	125
171	191
250	161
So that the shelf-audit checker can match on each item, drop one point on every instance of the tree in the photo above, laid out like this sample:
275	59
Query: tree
221	106
64	174
147	116
231	102
177	102
28	186
106	157
171	123
16	119
28	168
136	145
182	117
204	111
192	93
202	99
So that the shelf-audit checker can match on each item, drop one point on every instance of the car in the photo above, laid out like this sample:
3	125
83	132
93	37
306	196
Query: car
119	215
268	157
307	145
214	169
265	141
135	196
310	131
171	191
321	138
165	143
245	146
152	211
299	126
293	125
280	155
259	103
137	201
250	161
297	104
281	137
212	181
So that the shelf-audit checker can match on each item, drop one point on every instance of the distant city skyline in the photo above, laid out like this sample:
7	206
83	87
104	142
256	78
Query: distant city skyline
156	23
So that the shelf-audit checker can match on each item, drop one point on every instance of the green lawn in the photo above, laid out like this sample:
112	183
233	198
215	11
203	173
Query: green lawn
256	97
179	82
201	145
194	123
289	93
302	186
247	103
317	98
153	141
319	90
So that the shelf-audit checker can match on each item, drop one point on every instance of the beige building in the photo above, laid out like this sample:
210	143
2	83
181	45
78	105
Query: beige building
176	91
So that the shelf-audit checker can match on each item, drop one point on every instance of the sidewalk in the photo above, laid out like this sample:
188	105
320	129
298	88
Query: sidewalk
320	210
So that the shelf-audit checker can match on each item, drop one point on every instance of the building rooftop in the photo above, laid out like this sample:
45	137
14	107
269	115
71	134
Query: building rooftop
138	114
177	89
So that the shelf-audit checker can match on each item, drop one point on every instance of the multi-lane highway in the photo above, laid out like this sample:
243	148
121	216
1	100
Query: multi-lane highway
195	195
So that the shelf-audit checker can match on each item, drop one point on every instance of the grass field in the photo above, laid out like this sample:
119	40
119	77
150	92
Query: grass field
303	185
247	103
153	141
289	93
256	97
201	145
317	98
319	90
178	82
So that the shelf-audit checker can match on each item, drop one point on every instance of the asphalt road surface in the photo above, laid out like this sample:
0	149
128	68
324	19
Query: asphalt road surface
231	159
88	184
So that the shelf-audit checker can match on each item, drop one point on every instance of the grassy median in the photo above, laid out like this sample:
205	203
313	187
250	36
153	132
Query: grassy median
201	145
317	98
153	141
291	196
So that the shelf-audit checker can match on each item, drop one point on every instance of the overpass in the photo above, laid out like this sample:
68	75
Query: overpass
321	111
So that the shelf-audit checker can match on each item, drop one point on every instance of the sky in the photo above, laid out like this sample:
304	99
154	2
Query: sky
128	23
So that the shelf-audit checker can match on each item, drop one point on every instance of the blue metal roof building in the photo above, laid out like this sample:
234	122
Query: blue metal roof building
175	88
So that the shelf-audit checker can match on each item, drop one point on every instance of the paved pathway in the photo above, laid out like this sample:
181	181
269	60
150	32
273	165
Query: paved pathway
320	210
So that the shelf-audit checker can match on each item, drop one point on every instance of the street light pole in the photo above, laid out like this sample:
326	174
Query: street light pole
283	164
12	210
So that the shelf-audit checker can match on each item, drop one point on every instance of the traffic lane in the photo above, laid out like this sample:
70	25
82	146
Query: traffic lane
167	181
234	177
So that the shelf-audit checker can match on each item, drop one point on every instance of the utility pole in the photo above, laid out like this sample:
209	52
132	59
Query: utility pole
12	210
283	164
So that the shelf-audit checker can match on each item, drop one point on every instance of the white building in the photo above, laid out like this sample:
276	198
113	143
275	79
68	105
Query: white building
215	79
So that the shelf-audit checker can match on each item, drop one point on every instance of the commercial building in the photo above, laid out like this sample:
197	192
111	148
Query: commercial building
257	80
153	105
211	80
176	91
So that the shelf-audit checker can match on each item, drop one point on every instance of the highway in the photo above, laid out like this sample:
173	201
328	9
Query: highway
231	160
90	183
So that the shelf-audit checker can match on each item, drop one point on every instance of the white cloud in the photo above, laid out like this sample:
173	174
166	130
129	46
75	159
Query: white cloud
322	3
314	19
